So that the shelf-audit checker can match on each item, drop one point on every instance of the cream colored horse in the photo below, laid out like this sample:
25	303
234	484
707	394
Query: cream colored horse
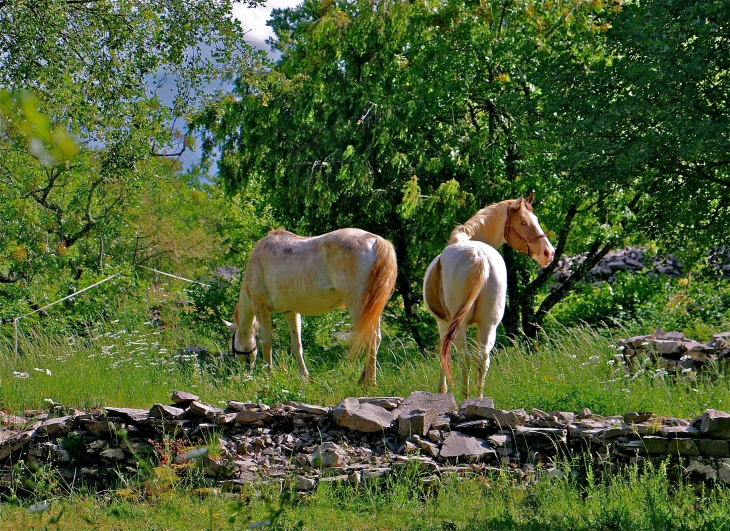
466	284
296	276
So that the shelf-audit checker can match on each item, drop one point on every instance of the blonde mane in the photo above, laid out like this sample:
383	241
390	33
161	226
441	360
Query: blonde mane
486	220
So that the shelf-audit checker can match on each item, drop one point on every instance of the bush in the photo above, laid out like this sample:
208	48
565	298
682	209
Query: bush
641	303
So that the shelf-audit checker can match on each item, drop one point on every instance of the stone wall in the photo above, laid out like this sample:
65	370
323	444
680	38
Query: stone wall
638	260
358	440
674	351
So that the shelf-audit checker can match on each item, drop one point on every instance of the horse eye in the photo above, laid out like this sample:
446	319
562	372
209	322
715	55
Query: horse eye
524	223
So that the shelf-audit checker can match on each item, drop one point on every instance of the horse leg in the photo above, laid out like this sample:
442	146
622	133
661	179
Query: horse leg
460	342
368	375
487	336
294	320
443	385
264	318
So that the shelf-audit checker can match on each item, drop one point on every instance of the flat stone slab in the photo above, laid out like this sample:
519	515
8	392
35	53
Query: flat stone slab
386	402
183	398
204	410
249	416
442	403
161	411
459	445
58	426
477	408
134	415
367	418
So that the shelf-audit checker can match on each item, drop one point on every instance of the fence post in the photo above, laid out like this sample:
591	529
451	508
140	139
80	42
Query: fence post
15	332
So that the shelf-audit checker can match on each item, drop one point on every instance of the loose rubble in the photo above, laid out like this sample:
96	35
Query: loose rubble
674	352
360	439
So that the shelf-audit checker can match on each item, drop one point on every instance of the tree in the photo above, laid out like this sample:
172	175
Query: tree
653	116
405	118
95	93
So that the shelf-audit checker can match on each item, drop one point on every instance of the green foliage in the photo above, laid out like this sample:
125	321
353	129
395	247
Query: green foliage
88	136
404	119
641	303
211	305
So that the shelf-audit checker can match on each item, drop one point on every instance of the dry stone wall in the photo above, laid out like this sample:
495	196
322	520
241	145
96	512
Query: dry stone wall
674	351
300	445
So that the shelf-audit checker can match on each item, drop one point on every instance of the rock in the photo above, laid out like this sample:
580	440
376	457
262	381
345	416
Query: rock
204	410
161	411
302	483
459	445
428	448
113	454
442	403
585	413
540	438
386	402
129	415
184	399
367	418
328	455
713	447
57	426
228	273
507	419
249	416
476	408
415	422
101	426
635	418
678	432
714	423
309	409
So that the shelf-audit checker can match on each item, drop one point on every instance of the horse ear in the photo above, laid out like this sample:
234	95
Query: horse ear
531	198
232	327
516	205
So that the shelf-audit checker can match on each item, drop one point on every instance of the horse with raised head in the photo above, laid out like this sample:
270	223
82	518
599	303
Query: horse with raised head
466	285
294	276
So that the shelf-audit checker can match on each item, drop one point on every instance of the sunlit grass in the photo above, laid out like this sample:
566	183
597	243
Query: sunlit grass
128	365
632	499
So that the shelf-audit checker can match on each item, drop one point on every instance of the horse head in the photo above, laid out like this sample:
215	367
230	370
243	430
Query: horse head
524	234
243	342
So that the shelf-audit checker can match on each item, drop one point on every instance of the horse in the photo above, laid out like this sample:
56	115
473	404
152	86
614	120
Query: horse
466	285
294	276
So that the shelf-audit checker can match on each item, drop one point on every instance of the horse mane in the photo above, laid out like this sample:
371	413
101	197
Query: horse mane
278	230
486	220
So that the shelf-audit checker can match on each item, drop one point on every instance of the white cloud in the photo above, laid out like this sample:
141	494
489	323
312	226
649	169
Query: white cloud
253	20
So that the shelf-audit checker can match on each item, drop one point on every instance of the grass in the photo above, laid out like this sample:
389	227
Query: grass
128	365
133	364
631	500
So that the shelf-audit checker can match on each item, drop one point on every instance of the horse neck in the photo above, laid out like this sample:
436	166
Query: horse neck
243	315
486	226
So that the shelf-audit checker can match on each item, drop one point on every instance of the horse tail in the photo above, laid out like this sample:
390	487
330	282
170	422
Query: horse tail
381	283
474	282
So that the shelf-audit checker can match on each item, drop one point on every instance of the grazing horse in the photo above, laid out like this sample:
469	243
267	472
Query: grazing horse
467	283
295	276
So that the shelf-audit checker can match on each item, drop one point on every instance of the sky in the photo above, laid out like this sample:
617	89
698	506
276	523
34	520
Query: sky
253	21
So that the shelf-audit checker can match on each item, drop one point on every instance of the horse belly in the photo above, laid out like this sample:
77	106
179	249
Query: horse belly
307	302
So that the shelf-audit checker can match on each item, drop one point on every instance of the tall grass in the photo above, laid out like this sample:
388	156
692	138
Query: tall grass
136	365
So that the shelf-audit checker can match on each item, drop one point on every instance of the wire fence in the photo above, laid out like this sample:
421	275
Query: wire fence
16	320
